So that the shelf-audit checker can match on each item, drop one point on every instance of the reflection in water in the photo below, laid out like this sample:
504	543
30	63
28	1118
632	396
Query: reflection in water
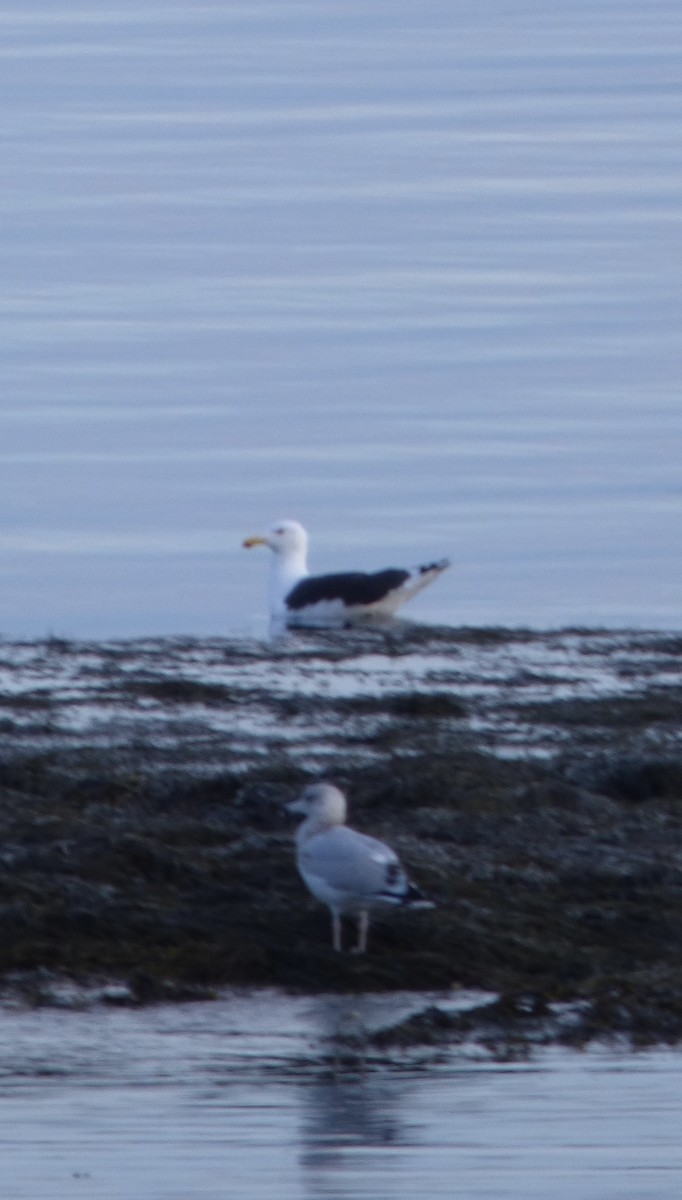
350	1105
347	1110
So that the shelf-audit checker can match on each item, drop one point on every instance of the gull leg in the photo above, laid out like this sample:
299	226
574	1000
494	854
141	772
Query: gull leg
363	929
336	931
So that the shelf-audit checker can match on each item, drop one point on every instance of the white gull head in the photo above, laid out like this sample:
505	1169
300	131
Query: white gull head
286	538
288	541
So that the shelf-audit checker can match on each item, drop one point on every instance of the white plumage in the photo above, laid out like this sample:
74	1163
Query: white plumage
298	598
348	871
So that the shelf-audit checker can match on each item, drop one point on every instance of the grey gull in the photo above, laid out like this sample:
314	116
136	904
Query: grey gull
347	870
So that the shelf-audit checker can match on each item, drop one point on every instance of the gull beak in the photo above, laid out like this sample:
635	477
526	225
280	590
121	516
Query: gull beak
295	806
250	542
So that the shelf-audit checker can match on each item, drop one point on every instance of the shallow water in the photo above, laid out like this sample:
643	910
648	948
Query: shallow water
239	1098
407	272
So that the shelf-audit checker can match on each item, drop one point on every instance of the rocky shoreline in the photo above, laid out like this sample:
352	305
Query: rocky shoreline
532	782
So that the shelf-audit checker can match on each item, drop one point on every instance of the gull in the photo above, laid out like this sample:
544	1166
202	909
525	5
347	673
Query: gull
348	871
298	598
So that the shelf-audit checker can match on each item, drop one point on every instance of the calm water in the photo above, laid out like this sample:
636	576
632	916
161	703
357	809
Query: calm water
211	1102
408	271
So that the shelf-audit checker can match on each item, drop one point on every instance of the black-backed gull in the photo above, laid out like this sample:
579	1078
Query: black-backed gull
348	871
298	598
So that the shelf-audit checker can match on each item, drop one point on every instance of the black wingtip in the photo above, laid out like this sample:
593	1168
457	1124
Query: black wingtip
441	565
414	898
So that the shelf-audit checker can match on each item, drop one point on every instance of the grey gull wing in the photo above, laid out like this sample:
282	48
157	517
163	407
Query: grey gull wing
354	863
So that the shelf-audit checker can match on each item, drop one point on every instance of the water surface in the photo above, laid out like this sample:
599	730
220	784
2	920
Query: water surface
408	272
237	1098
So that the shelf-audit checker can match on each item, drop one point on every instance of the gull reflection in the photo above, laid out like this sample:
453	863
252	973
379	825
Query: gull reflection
349	1106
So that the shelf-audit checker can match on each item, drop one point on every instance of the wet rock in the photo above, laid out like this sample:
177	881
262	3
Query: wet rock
532	783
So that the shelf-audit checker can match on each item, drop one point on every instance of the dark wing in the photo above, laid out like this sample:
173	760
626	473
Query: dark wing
351	588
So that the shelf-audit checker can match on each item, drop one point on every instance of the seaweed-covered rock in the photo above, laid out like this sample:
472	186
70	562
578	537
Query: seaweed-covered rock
532	783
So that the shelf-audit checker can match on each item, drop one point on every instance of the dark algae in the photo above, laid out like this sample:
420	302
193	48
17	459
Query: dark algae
532	783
